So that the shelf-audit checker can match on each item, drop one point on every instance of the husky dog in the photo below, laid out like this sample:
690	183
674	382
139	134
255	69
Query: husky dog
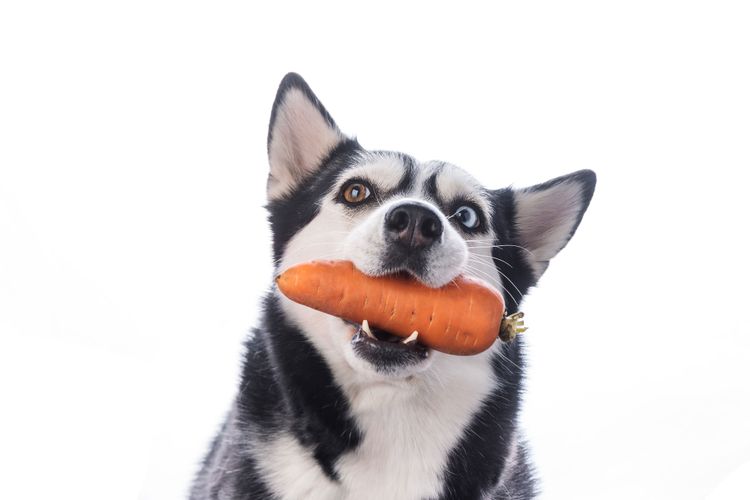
327	411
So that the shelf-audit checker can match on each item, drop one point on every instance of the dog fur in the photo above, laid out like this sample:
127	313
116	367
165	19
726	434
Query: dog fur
314	418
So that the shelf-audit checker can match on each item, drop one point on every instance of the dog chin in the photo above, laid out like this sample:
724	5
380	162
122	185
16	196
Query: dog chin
381	359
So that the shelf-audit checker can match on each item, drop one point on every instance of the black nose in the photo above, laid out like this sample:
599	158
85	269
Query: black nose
412	225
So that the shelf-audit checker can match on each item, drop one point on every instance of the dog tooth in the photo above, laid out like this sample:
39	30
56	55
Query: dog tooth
411	338
366	329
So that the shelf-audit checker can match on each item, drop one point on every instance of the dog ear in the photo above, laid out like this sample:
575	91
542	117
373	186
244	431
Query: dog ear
547	215
301	134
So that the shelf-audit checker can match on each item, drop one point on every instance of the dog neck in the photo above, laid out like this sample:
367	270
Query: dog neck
414	432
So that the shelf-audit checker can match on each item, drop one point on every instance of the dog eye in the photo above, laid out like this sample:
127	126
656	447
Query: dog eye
356	192
468	217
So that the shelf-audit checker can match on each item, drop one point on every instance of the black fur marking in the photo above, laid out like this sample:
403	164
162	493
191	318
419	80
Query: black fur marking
259	398
380	195
516	272
431	186
522	483
248	482
492	427
449	207
410	172
477	461
243	475
319	410
240	476
294	81
258	406
286	385
290	213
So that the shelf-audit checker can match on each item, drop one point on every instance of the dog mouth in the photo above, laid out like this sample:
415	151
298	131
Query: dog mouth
386	351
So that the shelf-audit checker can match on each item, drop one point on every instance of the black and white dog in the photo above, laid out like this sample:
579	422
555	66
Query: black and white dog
325	411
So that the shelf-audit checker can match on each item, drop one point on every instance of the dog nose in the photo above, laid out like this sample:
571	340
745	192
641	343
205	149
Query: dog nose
413	226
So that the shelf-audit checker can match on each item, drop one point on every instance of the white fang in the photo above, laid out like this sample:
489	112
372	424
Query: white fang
411	338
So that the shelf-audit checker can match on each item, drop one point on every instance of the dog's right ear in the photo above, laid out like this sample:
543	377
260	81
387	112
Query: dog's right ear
300	136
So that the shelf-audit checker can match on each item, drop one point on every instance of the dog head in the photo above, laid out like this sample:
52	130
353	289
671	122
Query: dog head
329	198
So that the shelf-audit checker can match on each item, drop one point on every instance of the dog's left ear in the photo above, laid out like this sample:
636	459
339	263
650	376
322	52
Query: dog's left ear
300	136
547	215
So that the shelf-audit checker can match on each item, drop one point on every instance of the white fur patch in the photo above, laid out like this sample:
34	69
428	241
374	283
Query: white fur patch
410	427
292	472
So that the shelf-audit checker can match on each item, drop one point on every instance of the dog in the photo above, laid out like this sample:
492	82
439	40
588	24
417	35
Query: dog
325	411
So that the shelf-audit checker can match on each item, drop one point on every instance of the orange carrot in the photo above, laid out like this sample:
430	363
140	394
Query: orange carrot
462	317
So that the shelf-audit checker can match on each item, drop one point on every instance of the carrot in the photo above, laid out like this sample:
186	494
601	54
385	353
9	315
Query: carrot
462	317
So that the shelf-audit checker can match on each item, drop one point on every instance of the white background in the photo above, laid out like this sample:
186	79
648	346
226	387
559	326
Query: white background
134	246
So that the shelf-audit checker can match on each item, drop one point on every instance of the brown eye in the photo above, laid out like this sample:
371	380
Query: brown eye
356	192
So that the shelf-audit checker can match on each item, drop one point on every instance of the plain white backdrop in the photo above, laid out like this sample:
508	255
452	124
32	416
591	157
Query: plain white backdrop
134	247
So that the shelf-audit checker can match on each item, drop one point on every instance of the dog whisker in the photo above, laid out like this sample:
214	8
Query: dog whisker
511	282
477	258
494	280
506	358
500	246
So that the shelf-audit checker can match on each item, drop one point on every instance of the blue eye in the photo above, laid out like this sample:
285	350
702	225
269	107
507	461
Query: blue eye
468	217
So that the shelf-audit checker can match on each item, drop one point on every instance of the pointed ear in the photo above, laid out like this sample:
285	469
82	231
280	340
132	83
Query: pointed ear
300	136
547	215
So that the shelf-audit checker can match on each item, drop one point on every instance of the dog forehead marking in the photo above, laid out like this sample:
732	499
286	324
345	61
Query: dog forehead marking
454	183
391	171
385	171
